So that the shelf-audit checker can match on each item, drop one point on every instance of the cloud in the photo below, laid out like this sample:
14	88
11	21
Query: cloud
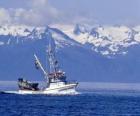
4	16
39	13
44	12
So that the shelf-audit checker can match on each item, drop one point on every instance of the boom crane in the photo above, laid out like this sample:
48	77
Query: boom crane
39	65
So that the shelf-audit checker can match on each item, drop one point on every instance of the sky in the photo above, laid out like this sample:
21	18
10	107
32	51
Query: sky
44	12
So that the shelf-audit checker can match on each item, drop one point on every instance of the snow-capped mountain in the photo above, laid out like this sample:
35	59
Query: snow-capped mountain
21	34
107	40
99	53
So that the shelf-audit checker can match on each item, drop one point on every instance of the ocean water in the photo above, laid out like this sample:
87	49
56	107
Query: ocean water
93	103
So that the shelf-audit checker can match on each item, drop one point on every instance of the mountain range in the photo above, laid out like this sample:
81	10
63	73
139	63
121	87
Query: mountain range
85	53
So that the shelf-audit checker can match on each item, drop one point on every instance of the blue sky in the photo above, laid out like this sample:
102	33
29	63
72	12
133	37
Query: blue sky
43	12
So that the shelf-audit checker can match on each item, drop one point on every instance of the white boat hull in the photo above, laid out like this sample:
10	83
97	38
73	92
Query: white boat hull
55	90
62	89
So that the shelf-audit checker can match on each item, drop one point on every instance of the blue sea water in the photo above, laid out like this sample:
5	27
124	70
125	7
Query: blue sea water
97	103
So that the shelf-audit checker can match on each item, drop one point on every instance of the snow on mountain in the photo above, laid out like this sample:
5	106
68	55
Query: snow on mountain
15	30
107	40
79	29
20	34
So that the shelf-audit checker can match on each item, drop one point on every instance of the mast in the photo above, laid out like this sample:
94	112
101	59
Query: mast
54	74
54	68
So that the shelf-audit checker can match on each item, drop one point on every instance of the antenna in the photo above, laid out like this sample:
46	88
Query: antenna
51	56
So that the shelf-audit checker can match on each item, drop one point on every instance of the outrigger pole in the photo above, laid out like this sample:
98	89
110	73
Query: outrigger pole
40	66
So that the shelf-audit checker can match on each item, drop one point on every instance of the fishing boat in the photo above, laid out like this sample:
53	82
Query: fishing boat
55	79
